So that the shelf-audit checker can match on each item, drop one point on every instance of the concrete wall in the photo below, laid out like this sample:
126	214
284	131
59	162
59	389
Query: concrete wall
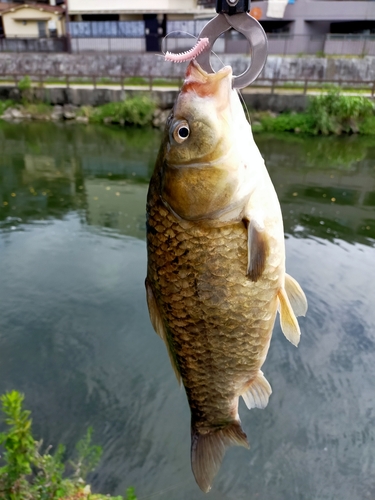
165	100
81	65
351	45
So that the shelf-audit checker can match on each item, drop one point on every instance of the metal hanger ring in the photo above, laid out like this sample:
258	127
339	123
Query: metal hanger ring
252	31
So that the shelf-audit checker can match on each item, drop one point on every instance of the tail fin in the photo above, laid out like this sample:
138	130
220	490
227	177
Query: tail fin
208	449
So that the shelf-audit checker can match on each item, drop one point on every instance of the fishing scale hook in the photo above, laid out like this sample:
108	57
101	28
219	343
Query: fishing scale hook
234	14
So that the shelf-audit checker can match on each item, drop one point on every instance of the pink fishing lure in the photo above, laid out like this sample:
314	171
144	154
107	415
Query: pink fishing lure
189	55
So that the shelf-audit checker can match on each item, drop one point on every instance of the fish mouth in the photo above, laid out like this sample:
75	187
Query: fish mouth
198	81
196	72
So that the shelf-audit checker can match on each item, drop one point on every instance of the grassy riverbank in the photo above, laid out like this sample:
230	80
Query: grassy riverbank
29	473
327	114
330	113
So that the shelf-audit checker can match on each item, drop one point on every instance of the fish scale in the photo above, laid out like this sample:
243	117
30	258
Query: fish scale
237	336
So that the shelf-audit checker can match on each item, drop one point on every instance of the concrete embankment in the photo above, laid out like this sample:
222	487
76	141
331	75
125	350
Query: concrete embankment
164	98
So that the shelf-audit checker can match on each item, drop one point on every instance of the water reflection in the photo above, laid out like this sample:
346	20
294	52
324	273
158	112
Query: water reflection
76	338
101	172
118	205
326	186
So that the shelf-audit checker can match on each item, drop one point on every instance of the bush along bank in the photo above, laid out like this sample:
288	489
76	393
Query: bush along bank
136	111
28	473
327	114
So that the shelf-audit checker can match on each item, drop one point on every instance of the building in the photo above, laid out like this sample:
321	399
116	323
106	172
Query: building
128	10
331	27
31	20
145	24
301	26
297	27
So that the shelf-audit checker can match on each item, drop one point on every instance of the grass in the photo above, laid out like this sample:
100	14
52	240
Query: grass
159	82
314	87
135	80
324	87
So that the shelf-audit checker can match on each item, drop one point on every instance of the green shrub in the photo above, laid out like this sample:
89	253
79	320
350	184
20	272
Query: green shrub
5	105
39	109
29	474
133	111
88	456
130	494
25	88
330	113
24	83
334	113
138	110
288	122
87	111
19	447
367	127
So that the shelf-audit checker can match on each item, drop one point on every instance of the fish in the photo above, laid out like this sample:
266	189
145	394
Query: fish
216	263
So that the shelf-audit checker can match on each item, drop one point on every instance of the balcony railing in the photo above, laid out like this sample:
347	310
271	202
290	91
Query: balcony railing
115	29
34	44
177	41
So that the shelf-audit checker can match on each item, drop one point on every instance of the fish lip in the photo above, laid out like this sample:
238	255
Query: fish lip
219	75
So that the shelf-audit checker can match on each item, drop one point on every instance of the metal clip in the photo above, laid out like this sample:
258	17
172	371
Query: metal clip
243	23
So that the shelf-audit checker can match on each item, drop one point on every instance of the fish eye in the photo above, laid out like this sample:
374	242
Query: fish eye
181	132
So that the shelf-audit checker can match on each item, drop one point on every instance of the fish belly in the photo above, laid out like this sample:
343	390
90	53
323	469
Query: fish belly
218	323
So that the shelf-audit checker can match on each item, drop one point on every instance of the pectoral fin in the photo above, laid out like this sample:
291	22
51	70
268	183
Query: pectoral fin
257	395
153	310
158	324
288	320
296	296
257	249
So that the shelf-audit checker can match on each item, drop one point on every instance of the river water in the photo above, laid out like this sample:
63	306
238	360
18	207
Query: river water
76	339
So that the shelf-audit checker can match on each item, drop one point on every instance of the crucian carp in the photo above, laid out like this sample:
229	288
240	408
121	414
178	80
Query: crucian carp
216	263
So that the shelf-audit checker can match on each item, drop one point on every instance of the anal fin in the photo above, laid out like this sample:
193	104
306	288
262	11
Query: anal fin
257	249
296	296
288	320
158	324
257	395
208	448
